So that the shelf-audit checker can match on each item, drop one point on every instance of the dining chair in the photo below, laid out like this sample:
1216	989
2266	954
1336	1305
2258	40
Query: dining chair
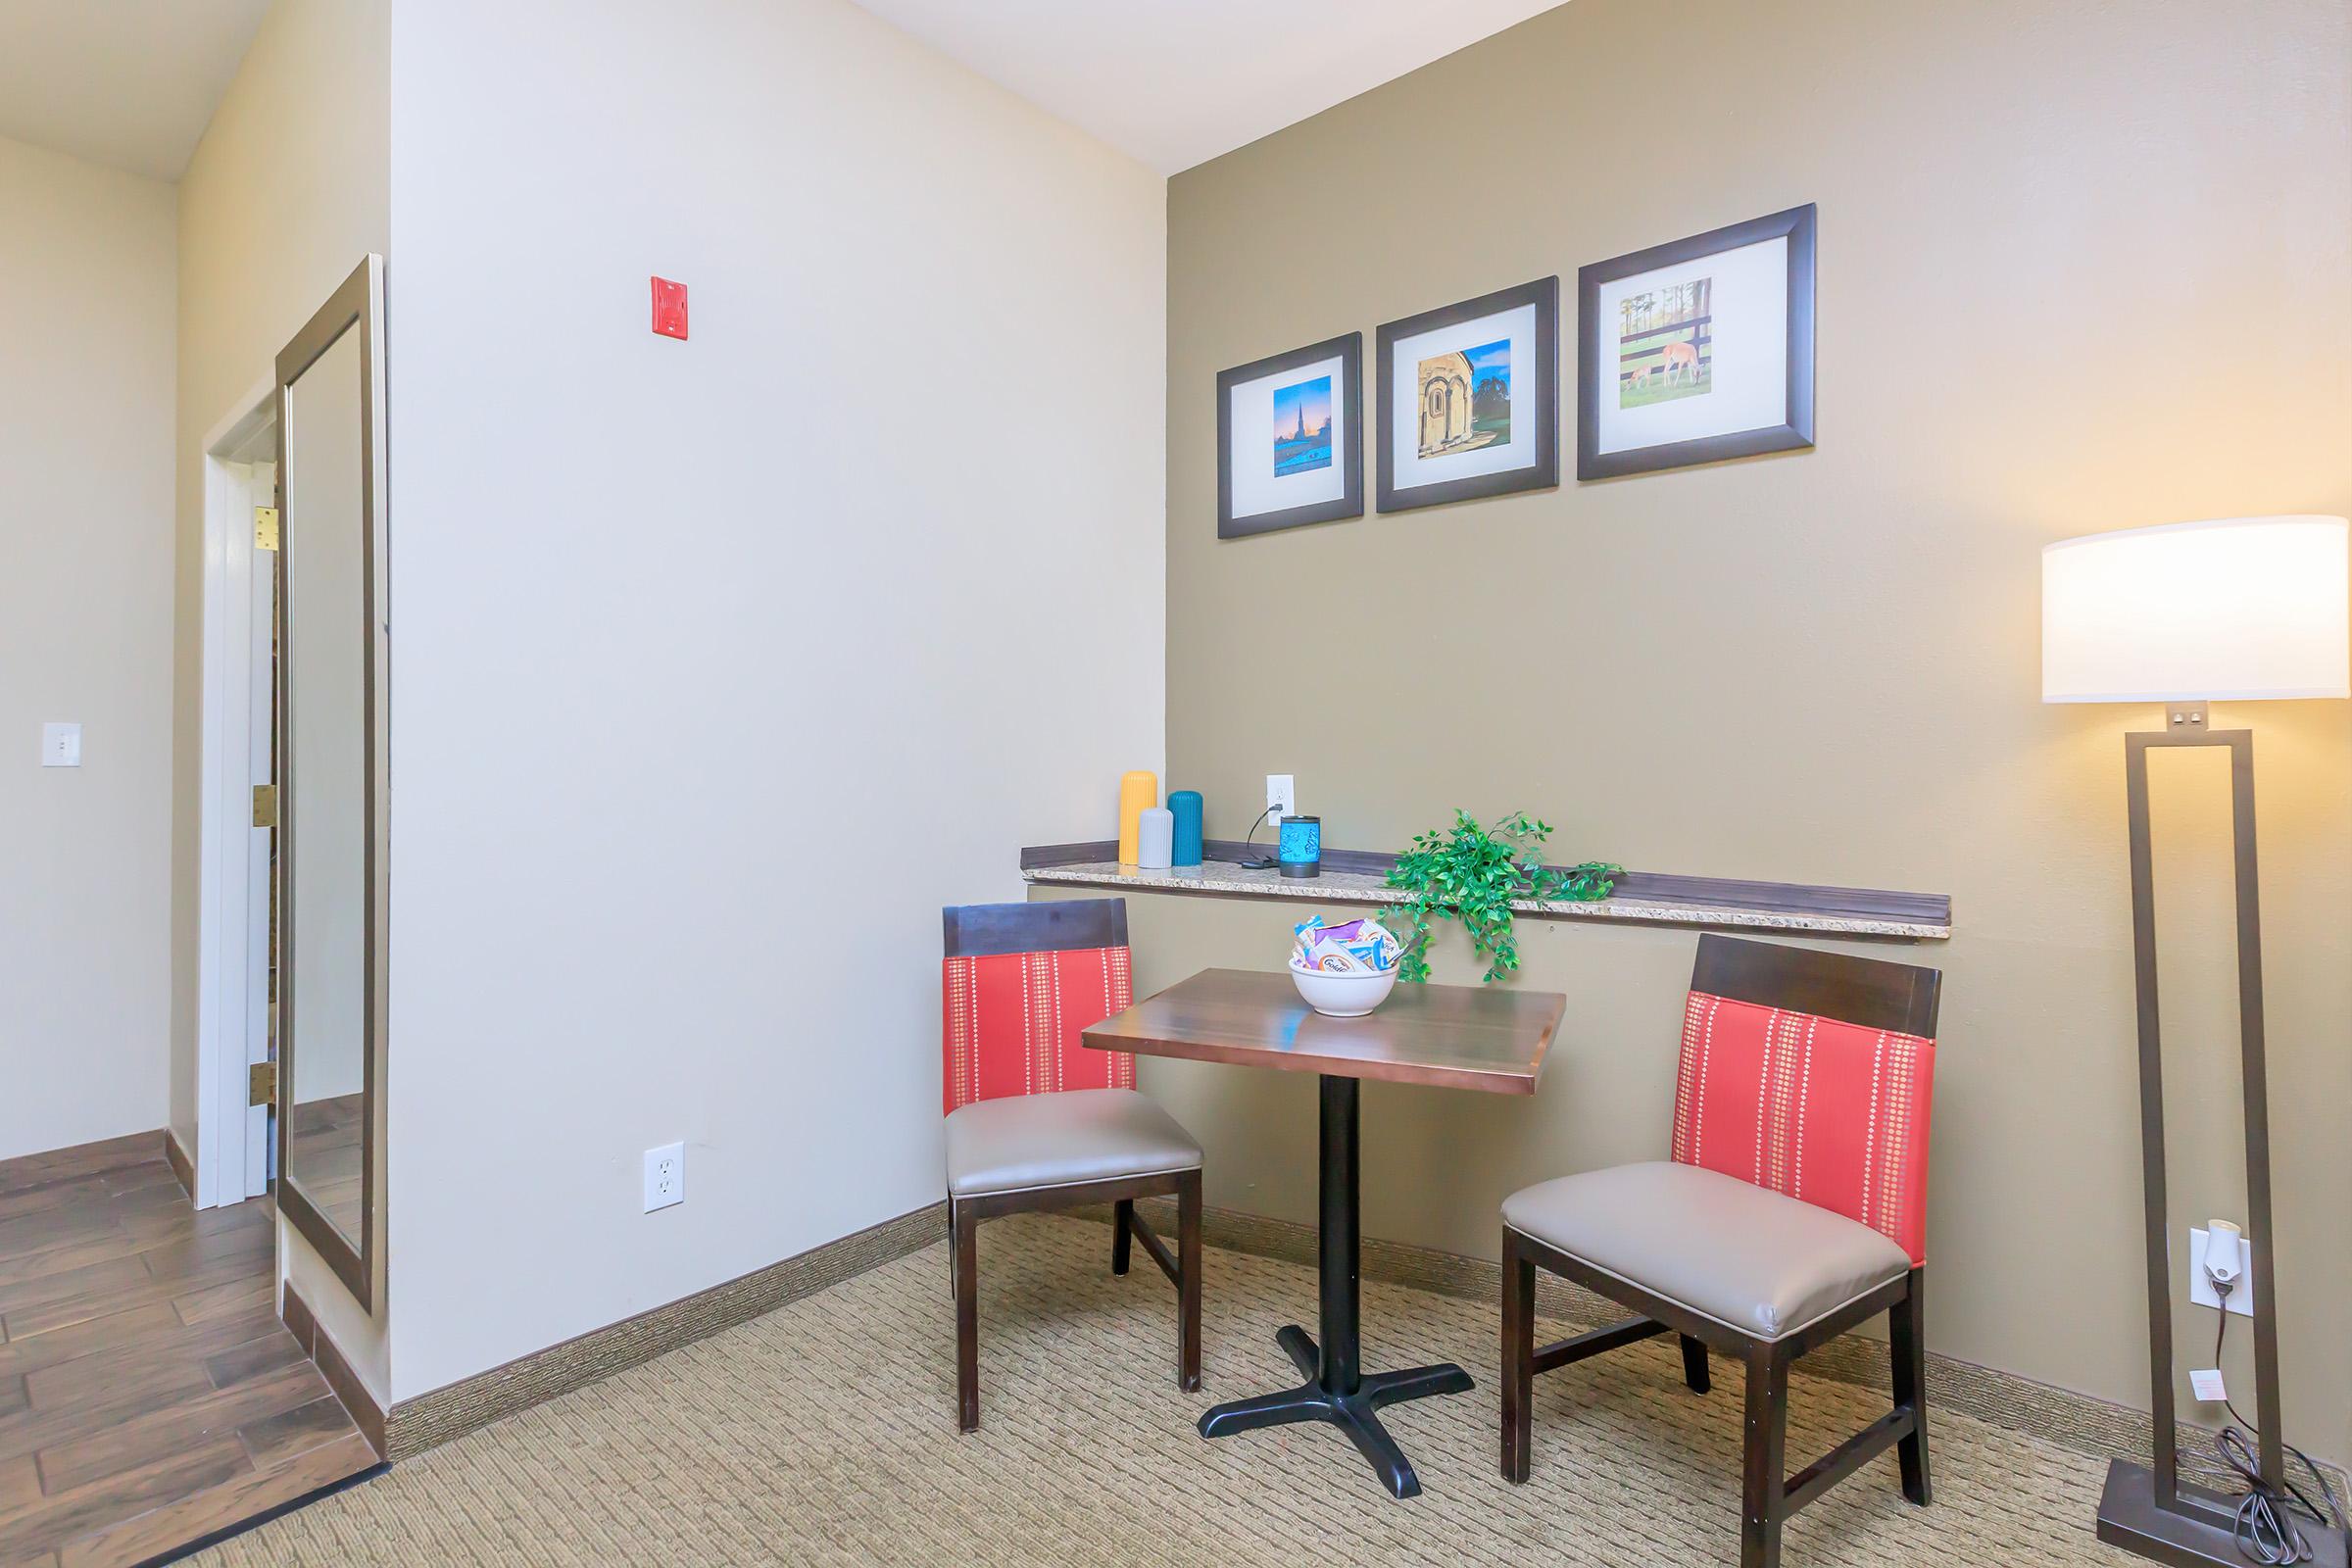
1791	1209
1037	1121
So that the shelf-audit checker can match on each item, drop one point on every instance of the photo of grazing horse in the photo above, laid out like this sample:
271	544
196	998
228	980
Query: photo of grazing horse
1665	343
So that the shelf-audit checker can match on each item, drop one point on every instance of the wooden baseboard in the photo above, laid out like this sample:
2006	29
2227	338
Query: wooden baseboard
50	1166
184	1164
334	1366
2082	1422
432	1419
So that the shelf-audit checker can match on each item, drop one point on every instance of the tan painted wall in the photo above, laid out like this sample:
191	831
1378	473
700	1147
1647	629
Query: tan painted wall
289	188
85	635
2083	267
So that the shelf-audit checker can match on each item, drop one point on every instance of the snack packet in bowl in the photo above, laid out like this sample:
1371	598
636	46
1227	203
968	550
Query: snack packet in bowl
1353	947
1376	945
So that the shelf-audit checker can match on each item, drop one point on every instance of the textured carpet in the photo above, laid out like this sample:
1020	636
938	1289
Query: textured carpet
826	1432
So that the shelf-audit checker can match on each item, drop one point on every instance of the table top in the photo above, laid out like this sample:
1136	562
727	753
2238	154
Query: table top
1447	1037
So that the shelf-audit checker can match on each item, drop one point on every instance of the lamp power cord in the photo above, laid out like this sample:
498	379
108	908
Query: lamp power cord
1260	863
2268	1525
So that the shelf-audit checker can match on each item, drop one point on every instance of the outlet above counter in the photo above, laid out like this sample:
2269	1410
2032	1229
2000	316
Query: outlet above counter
1360	877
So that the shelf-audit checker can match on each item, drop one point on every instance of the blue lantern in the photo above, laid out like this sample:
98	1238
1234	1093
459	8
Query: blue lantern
1300	851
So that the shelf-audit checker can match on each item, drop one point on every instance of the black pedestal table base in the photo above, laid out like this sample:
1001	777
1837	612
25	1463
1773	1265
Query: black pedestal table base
1335	1389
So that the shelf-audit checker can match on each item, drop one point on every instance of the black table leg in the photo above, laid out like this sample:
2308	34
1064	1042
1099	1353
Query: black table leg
1337	1390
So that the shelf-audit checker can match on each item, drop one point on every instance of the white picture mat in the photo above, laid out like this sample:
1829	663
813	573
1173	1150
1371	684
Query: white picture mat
1748	347
1249	406
1408	469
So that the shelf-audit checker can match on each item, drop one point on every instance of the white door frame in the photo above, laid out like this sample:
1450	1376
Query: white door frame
233	913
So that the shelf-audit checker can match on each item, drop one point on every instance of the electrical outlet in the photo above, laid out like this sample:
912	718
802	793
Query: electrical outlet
1282	796
665	1176
61	745
2200	1289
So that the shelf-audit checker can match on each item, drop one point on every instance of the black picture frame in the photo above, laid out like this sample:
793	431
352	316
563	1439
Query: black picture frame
1545	472
1350	348
1798	224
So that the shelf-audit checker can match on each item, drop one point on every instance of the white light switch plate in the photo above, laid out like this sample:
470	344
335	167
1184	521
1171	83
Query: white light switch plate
1281	795
61	745
665	1176
2200	1289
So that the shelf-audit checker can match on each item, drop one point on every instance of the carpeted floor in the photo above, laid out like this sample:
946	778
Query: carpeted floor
824	1432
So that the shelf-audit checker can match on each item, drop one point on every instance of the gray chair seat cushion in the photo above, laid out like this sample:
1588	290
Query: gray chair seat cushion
1742	1255
1079	1135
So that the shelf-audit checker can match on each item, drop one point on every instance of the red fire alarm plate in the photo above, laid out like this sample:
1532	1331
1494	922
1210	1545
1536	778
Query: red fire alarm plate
669	308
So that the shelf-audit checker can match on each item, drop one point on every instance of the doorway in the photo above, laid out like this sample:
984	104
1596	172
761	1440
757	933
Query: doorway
236	1046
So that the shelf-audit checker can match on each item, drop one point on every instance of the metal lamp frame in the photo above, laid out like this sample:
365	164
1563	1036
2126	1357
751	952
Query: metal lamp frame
2146	1508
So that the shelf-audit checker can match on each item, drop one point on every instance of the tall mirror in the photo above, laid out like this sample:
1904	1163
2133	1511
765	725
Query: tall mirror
331	670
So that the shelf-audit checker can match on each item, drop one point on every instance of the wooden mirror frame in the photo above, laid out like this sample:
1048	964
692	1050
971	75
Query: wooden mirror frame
358	305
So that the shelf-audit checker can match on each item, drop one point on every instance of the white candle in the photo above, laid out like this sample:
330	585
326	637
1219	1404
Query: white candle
1155	838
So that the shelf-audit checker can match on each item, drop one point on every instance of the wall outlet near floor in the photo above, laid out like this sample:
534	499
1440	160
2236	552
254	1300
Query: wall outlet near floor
1282	797
665	1176
2200	1289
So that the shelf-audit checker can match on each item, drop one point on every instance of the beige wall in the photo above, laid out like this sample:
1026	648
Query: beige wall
85	635
2082	267
720	665
289	188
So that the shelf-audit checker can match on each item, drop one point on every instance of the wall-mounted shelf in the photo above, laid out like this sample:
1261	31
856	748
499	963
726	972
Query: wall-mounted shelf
1358	877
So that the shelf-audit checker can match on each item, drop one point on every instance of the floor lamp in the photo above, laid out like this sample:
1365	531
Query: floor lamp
2235	610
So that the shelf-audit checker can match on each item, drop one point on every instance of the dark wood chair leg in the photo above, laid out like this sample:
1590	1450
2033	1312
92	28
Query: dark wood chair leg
967	1320
1122	1234
1763	1473
1907	1341
1695	1365
1518	1356
1188	1284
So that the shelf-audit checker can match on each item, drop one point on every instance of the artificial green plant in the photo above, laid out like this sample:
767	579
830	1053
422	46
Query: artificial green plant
1473	874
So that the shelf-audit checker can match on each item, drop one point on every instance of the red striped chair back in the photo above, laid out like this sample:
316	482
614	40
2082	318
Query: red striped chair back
1018	985
1811	1073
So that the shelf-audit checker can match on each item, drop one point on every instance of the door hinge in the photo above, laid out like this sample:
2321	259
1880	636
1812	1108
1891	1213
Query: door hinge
264	805
261	1084
265	527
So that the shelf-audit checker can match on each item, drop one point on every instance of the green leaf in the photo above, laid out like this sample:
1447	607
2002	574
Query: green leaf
1472	875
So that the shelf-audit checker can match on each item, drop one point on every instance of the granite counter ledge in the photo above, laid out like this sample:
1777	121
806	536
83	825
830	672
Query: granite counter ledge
1642	899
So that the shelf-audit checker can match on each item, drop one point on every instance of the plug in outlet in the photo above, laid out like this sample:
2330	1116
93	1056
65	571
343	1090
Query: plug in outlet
2200	1287
1282	797
665	1176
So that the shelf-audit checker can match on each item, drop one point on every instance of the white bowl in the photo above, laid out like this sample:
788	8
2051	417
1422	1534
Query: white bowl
1343	996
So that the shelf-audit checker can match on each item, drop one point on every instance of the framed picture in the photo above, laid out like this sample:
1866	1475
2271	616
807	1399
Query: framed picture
1470	399
1289	439
1698	350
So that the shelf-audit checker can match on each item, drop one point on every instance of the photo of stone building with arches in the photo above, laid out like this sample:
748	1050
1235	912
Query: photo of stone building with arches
1465	399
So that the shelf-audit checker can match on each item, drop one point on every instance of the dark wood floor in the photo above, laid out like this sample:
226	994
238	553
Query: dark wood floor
149	1396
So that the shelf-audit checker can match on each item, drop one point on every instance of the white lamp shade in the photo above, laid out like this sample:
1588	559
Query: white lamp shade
2236	609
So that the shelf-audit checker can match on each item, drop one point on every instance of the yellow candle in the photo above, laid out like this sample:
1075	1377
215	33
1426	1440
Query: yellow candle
1138	792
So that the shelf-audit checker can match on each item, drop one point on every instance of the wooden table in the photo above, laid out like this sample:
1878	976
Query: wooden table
1445	1037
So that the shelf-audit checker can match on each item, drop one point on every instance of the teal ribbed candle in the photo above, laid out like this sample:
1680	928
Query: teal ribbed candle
1185	806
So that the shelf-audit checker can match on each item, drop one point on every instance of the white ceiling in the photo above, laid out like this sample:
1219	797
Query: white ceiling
1175	82
129	84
